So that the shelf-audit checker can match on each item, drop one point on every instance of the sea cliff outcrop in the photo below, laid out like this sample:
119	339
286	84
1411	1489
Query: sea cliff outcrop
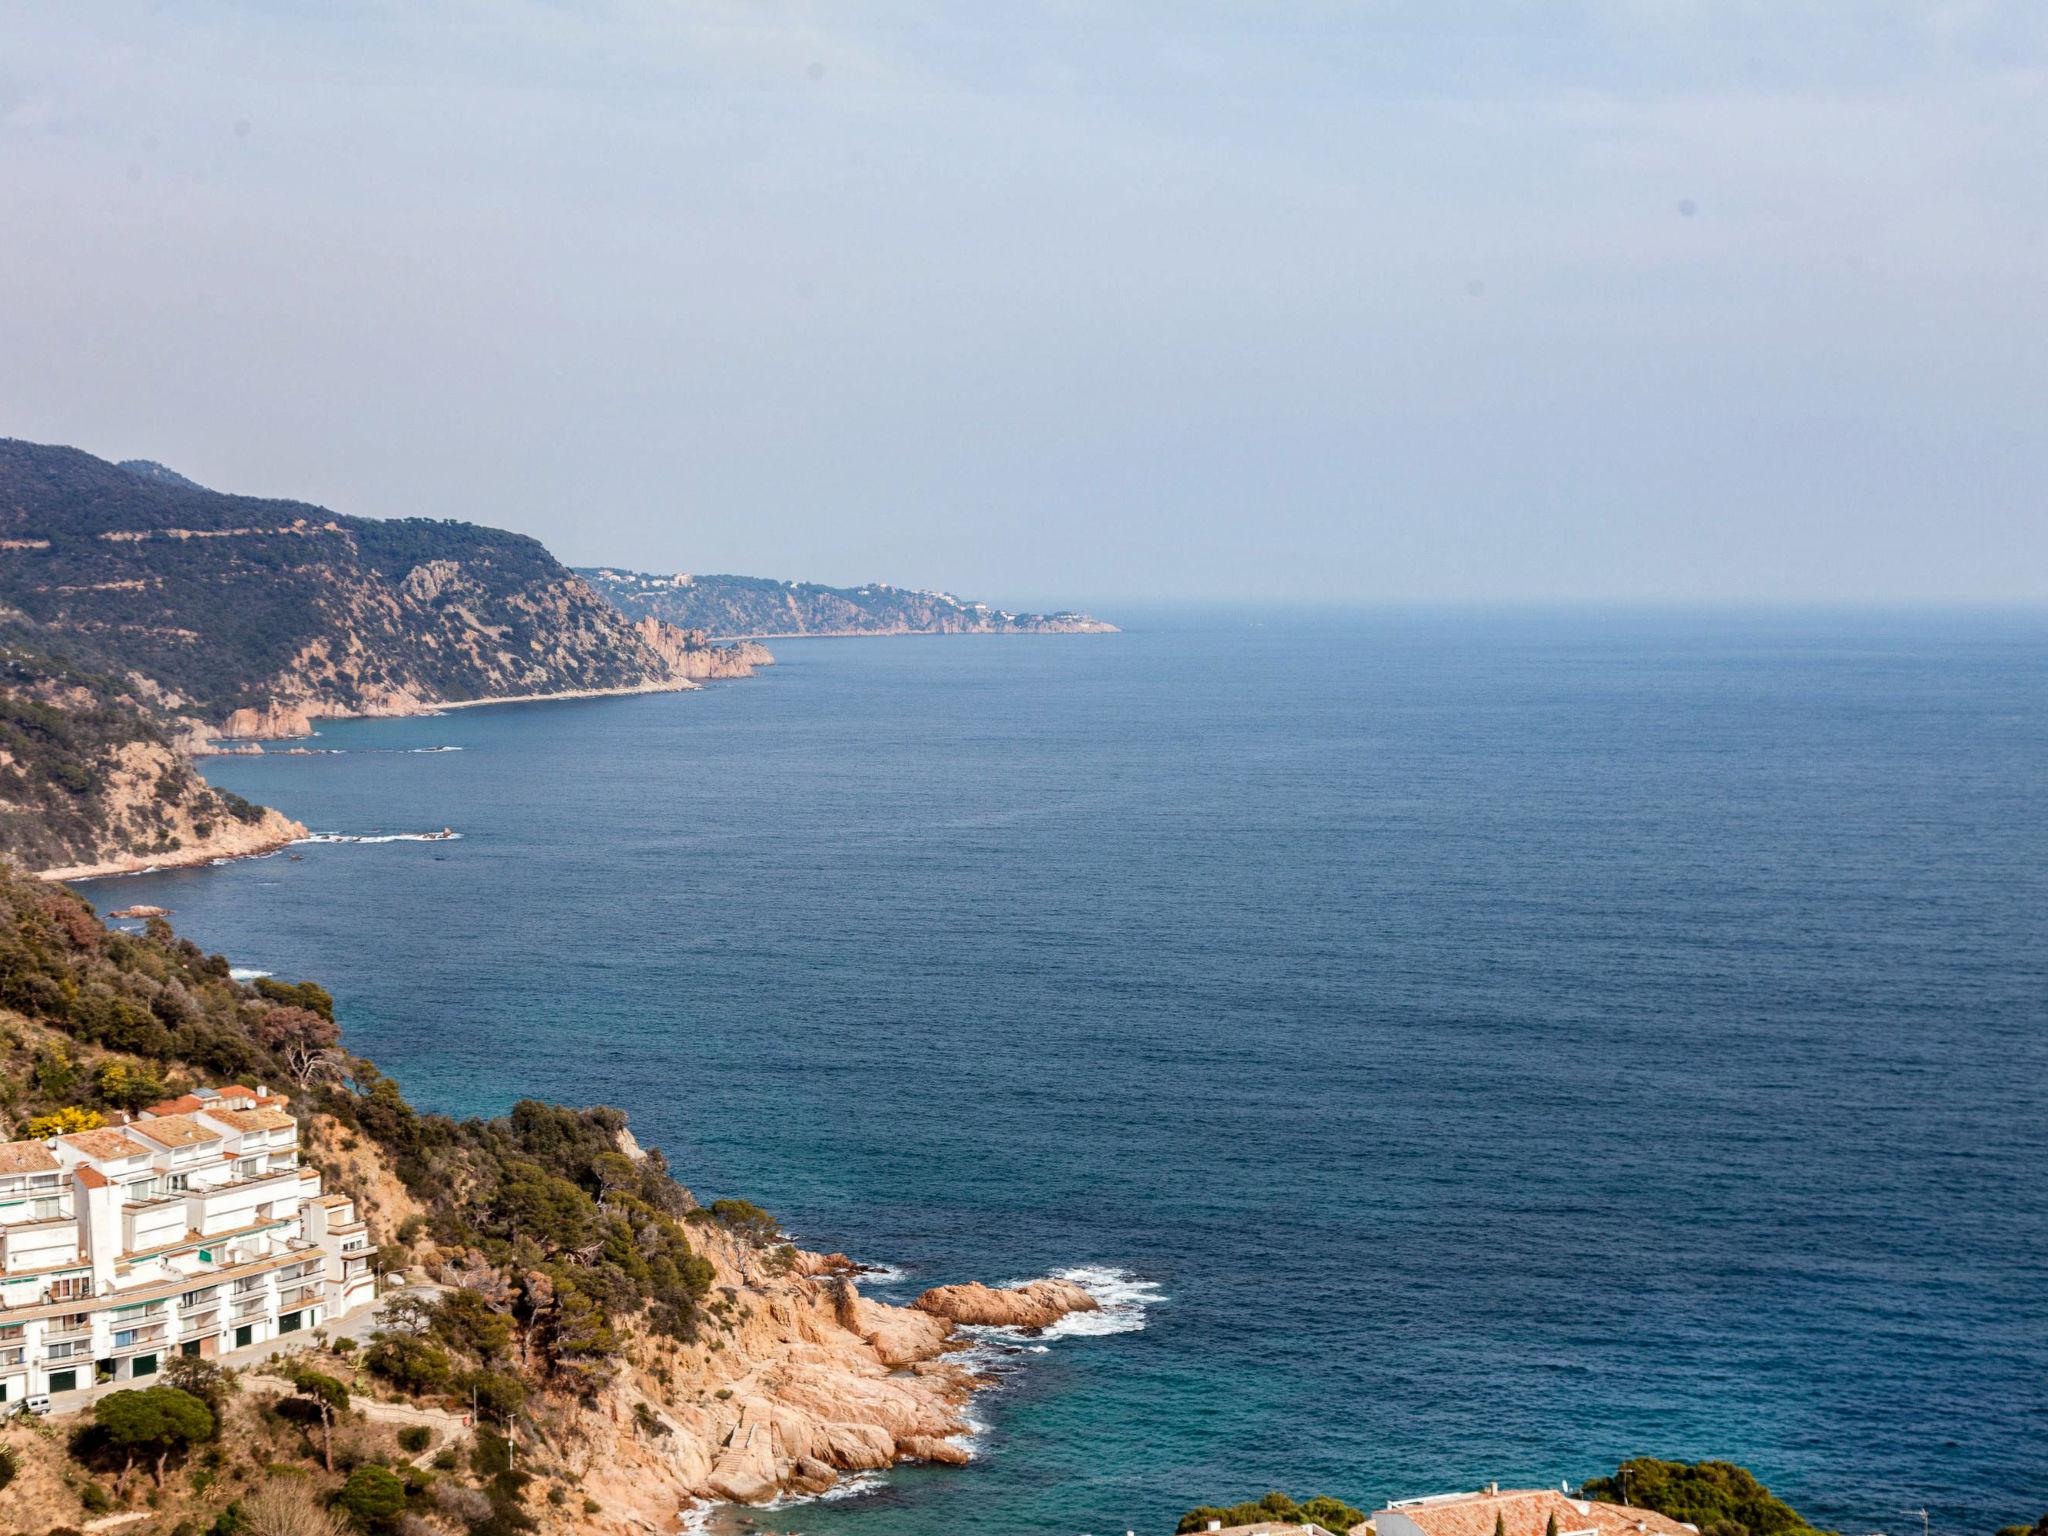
807	1382
1038	1304
273	722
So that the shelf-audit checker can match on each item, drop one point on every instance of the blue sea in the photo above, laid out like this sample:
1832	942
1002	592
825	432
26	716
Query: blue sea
1464	1047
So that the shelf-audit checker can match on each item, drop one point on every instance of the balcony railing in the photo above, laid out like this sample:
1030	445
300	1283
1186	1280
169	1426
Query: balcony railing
138	1338
198	1323
12	1356
298	1297
251	1306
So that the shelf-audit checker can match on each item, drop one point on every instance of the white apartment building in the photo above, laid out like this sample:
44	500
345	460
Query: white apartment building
192	1229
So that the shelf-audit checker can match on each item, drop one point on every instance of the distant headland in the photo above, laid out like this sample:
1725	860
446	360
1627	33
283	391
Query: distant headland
762	608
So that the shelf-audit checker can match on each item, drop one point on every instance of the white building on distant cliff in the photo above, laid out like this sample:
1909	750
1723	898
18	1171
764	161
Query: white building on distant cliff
193	1229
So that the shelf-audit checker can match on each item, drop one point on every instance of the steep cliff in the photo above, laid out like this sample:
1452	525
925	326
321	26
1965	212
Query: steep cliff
227	602
762	608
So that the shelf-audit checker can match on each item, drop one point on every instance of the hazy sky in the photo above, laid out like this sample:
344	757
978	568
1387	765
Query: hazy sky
1064	302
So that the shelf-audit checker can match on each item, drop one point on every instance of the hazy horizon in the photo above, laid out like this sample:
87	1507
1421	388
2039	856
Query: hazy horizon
1604	304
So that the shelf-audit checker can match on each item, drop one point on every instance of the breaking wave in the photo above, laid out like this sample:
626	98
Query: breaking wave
244	973
1123	1296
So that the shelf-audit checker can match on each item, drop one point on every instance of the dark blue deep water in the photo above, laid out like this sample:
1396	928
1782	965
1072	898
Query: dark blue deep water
1505	1044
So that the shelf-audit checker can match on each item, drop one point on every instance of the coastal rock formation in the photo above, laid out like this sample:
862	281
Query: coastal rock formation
273	722
144	809
810	1382
1039	1304
690	654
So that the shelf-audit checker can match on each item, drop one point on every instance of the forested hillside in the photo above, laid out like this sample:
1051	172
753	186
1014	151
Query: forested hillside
226	602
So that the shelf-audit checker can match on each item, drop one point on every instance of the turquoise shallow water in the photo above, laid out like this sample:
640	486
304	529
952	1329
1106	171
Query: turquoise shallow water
1477	1047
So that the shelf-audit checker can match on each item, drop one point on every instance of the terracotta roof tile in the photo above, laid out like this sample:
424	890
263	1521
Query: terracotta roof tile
26	1157
108	1143
175	1131
1528	1512
253	1119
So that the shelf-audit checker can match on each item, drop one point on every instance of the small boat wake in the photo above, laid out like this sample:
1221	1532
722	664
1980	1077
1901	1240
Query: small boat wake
445	835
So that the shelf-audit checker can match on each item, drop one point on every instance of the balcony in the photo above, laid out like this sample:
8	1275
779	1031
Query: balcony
298	1296
14	1356
251	1306
129	1340
198	1323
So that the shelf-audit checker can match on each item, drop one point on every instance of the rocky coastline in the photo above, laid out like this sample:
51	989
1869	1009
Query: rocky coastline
813	1383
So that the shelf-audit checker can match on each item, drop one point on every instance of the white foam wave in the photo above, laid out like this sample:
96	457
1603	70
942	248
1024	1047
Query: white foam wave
416	750
1123	1297
381	837
244	973
851	1487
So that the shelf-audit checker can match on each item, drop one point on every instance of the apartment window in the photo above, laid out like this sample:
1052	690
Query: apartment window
194	1298
45	1207
249	1167
177	1183
141	1191
73	1288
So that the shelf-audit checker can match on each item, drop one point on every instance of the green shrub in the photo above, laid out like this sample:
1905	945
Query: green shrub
1276	1507
1705	1494
372	1497
415	1438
